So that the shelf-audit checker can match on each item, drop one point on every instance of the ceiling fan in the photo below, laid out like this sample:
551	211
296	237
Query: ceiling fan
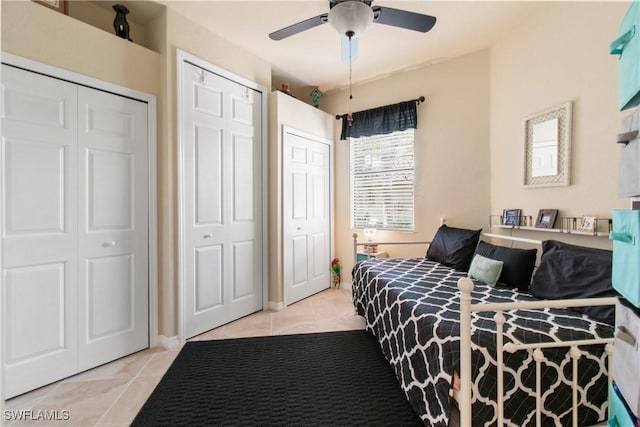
351	17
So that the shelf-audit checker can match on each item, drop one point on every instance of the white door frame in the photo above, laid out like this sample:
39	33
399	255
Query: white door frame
151	101
182	56
322	140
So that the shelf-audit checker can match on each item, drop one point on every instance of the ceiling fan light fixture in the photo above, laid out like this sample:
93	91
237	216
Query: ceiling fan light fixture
350	17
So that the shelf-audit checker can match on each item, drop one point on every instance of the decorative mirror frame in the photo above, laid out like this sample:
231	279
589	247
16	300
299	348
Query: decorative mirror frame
561	112
61	6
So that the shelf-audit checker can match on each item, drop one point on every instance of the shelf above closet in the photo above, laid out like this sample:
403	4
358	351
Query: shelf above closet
100	15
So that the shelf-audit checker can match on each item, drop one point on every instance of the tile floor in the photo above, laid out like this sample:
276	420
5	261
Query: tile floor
112	394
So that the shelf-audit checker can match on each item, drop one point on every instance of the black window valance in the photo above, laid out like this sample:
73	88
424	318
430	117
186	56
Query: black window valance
380	120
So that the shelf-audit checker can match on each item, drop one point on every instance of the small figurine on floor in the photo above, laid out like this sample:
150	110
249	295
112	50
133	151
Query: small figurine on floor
335	268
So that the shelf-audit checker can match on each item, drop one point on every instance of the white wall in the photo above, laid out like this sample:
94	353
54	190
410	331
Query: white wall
558	55
469	142
102	18
42	34
451	148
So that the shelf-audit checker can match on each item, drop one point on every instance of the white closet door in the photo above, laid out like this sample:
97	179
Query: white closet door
222	199
75	228
113	227
39	236
244	202
307	216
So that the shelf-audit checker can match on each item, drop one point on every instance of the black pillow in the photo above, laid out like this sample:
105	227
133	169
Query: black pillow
518	264
453	247
568	271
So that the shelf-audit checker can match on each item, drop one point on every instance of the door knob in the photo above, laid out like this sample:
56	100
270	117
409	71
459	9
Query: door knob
108	243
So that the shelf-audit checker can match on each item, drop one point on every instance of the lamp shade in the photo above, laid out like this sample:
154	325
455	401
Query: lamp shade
350	17
370	233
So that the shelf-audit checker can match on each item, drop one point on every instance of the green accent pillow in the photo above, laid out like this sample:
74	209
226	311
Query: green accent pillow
485	269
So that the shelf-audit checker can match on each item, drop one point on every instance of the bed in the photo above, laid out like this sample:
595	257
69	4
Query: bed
413	307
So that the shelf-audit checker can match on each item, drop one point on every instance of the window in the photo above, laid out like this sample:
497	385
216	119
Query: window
382	180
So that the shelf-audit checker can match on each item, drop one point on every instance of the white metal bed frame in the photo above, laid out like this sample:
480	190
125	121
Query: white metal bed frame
465	285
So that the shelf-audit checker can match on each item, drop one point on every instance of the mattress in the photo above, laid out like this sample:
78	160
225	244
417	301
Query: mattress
412	308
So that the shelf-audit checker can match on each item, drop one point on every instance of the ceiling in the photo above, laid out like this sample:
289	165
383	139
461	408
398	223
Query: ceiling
313	58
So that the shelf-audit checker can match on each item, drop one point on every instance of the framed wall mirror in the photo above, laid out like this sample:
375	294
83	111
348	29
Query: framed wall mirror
547	147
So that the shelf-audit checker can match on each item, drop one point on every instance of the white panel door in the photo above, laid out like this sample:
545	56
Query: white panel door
39	236
113	227
75	228
222	199
307	216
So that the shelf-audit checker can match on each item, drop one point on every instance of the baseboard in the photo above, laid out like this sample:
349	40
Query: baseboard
345	285
279	306
168	343
276	306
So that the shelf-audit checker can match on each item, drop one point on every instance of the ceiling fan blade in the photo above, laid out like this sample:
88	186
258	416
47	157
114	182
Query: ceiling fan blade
345	48
403	19
307	24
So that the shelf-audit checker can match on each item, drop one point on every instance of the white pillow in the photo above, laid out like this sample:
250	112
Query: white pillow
485	269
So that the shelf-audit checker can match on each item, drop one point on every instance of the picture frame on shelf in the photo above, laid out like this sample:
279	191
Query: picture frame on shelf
61	6
587	223
511	217
546	218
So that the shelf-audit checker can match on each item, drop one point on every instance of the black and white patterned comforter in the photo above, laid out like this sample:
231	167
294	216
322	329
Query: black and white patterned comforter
412	307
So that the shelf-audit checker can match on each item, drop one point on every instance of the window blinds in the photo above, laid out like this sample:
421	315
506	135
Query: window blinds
382	181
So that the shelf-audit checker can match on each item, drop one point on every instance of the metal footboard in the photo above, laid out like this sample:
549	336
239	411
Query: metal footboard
466	308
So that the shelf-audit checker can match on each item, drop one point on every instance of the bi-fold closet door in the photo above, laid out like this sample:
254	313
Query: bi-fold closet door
75	228
221	146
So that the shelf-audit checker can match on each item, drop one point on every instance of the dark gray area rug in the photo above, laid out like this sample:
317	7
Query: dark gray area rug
323	379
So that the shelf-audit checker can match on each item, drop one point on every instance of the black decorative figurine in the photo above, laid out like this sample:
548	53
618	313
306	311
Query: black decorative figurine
120	24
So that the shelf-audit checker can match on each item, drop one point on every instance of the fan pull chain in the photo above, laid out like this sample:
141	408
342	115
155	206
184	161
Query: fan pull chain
350	116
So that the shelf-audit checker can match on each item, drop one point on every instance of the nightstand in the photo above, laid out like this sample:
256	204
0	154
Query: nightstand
363	256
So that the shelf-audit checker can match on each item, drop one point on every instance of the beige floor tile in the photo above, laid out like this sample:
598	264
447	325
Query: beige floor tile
28	400
309	326
127	367
129	403
159	363
214	334
300	308
345	323
255	325
291	317
82	402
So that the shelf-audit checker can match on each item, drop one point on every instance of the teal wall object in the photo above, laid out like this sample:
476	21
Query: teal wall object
627	47
315	97
625	275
